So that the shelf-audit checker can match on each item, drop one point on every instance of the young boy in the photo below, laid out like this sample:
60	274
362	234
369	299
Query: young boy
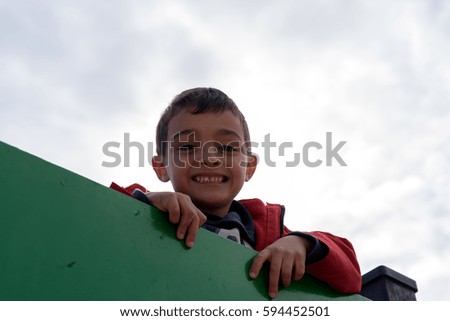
203	149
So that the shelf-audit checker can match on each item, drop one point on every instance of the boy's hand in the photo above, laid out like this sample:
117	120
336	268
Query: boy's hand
181	211
287	261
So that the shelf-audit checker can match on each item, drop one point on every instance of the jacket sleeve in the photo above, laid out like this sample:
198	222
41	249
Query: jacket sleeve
137	191
333	259
339	267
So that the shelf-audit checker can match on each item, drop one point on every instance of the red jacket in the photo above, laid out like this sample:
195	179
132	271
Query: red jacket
339	268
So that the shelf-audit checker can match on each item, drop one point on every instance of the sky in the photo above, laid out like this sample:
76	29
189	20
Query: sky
77	76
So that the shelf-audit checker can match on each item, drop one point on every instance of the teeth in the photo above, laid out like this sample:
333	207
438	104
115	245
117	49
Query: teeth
209	179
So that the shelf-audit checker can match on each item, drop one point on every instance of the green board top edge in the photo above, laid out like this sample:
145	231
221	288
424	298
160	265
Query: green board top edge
75	239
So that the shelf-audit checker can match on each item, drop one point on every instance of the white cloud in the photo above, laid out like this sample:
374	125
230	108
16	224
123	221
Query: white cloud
376	74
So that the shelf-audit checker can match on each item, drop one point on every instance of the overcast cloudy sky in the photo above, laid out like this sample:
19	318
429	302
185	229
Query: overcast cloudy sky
76	75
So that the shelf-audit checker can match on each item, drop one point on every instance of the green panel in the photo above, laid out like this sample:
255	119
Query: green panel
64	237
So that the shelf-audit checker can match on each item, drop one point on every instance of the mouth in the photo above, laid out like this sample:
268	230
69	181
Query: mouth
209	179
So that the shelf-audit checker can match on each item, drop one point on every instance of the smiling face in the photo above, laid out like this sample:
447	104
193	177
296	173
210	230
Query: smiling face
206	159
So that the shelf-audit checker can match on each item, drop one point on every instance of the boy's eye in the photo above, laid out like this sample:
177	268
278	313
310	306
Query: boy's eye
229	148
186	147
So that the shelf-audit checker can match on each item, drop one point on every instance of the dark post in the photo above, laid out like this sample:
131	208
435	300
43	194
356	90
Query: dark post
385	284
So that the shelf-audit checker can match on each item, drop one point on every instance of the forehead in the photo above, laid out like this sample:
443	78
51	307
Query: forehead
208	125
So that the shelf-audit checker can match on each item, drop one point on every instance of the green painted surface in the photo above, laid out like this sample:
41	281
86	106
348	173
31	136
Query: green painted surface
65	237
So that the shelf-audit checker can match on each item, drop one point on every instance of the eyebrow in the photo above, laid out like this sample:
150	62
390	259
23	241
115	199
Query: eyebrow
183	132
228	132
220	132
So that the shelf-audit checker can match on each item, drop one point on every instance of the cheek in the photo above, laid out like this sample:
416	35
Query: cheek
233	160
176	172
239	171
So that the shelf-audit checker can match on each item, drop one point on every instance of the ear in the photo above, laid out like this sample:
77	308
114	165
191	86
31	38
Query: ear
252	161
160	168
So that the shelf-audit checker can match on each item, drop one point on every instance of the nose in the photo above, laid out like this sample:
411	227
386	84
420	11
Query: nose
211	155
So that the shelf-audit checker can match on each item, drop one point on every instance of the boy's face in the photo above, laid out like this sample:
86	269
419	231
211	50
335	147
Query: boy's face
206	159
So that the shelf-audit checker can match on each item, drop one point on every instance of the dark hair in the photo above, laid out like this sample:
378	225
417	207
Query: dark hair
197	101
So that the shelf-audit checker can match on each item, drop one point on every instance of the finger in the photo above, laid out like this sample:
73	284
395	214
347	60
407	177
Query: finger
274	276
198	220
188	223
174	211
191	232
191	220
299	268
182	213
202	218
258	262
286	270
